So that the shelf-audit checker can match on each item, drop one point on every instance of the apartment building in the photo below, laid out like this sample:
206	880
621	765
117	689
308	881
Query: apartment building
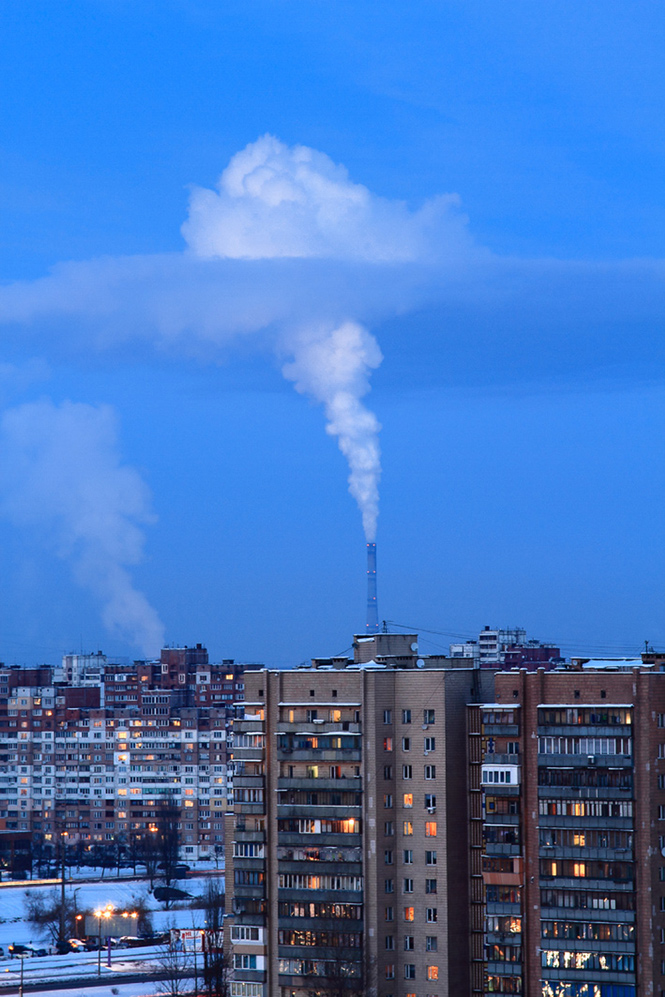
507	649
91	763
567	833
348	865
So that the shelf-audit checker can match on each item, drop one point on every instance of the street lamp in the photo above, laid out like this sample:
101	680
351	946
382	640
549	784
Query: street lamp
20	988
99	914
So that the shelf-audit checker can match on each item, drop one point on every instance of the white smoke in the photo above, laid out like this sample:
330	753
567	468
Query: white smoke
333	367
61	475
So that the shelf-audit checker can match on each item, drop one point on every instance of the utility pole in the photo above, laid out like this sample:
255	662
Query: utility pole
61	927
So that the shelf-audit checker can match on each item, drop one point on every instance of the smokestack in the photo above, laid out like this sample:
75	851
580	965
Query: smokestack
372	626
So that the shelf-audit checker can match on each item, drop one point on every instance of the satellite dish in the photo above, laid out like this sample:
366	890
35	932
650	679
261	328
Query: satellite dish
420	663
414	647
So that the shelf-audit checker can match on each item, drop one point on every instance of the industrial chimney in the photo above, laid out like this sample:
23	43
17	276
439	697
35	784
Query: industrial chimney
372	626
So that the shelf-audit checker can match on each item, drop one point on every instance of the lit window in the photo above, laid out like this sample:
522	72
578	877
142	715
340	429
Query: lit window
430	829
409	913
387	744
408	827
408	800
432	972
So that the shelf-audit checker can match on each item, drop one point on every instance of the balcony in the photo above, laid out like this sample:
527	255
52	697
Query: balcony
327	810
318	727
350	784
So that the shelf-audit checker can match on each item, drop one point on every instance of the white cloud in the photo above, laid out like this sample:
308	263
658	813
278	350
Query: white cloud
276	201
62	476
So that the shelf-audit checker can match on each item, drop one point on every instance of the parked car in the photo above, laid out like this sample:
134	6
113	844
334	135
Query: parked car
91	943
66	947
2	952
42	952
170	893
21	950
132	942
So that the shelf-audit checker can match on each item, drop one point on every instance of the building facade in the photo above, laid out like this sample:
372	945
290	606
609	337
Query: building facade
91	763
567	834
347	852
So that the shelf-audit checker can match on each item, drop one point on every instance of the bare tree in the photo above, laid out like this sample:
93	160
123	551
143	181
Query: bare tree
168	839
176	965
215	967
44	911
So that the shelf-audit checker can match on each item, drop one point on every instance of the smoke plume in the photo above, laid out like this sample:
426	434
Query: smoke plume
333	367
62	476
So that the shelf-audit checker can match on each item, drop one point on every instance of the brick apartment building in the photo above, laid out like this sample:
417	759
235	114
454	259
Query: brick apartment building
348	867
90	763
567	833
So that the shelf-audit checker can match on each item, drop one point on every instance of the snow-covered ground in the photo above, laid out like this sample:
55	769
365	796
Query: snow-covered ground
122	895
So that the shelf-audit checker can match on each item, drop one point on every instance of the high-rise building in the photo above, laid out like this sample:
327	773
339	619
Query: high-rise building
346	856
567	833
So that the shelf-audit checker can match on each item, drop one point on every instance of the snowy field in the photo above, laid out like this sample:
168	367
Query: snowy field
122	895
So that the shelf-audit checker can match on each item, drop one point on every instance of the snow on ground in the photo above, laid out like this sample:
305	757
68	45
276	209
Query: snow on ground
112	989
90	896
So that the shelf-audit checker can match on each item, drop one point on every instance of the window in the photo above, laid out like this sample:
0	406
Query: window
390	943
408	856
430	771
407	886
312	715
387	716
407	827
407	800
430	858
428	716
388	829
432	972
388	857
409	913
407	771
431	915
387	771
430	802
389	914
388	800
409	943
406	717
661	719
390	971
389	886
409	971
430	886
430	744
431	943
430	829
387	744
406	744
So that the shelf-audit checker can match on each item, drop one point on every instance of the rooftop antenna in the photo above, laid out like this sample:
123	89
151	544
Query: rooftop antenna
372	625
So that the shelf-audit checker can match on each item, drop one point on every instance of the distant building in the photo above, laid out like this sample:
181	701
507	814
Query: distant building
508	648
93	754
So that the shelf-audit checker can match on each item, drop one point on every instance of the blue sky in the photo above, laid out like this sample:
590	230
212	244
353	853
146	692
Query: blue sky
520	393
